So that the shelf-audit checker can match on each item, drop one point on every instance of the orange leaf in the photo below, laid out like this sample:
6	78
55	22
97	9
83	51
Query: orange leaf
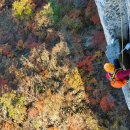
89	88
40	105
95	19
92	101
52	128
65	69
71	128
32	112
8	126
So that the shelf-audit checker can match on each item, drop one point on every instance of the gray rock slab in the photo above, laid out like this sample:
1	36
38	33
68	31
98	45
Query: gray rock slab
113	50
111	12
114	14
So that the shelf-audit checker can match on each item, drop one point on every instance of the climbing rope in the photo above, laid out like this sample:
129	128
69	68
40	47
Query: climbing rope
122	37
122	41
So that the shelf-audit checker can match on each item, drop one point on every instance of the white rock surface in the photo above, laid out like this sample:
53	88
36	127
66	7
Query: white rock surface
111	12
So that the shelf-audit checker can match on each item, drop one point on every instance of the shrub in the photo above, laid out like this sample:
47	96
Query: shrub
80	3
73	24
48	15
13	106
23	9
56	11
8	126
43	17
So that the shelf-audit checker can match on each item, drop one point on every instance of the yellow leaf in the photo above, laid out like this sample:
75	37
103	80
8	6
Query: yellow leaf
98	54
93	80
74	79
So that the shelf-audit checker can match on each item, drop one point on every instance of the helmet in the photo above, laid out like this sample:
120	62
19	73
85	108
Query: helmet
108	67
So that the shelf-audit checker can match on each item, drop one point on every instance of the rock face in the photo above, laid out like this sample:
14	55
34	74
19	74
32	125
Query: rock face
111	12
115	19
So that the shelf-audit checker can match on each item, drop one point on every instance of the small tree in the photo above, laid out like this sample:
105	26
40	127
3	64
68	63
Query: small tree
23	9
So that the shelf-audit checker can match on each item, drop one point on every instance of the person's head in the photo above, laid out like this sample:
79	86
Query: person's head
108	67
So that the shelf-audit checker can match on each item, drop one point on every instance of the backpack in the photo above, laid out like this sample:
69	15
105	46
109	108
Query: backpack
116	83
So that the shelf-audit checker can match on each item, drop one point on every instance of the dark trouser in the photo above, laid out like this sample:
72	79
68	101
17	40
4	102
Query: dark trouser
116	64
128	51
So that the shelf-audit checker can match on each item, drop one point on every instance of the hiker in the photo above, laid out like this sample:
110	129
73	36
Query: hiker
116	75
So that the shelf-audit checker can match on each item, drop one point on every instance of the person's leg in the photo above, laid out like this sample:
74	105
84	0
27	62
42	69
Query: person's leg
116	64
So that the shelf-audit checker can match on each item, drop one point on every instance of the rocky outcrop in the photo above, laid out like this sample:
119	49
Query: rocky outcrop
115	19
111	12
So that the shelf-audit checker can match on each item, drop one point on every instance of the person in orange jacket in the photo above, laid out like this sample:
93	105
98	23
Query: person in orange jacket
115	74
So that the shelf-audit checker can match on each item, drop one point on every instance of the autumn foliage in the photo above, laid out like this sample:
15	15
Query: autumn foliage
86	62
95	19
107	103
51	76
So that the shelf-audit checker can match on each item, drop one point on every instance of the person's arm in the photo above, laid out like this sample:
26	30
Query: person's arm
127	48
107	76
122	74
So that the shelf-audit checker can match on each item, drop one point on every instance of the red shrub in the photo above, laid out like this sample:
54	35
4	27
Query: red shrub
3	82
92	101
96	92
87	63
90	5
33	45
3	85
8	53
107	103
98	37
95	19
89	88
32	112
